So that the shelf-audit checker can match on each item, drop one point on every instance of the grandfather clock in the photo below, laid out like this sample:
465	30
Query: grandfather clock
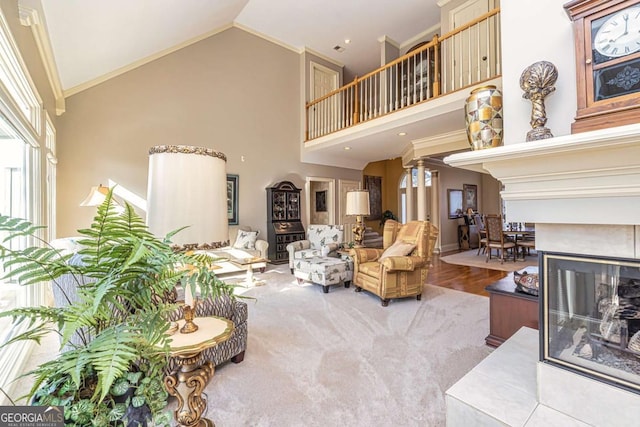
607	41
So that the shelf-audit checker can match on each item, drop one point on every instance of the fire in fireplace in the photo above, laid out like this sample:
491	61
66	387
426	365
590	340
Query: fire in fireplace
590	312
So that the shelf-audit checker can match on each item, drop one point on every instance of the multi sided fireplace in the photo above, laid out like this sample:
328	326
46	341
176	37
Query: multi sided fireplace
590	312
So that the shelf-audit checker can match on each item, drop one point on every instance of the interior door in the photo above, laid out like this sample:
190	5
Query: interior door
345	186
325	116
468	50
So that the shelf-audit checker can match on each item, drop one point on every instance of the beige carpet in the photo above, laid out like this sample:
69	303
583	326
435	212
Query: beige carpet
341	359
471	259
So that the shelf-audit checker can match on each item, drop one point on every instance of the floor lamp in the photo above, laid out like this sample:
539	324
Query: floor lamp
188	187
358	206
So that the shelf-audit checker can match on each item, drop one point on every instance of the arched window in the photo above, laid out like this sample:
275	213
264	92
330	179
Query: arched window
402	191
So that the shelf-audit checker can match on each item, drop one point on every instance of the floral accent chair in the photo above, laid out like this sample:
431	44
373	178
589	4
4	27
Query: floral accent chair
322	240
324	271
400	269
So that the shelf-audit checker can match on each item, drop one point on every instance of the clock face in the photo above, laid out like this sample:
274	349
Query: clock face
616	35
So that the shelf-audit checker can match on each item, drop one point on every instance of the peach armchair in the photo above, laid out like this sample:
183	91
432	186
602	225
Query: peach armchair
390	272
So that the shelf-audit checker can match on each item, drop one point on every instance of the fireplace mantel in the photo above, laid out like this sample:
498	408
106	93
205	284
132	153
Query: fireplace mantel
586	178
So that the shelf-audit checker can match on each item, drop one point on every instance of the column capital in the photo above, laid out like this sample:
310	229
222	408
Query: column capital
420	163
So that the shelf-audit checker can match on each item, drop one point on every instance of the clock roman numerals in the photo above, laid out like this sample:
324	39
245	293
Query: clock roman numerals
618	34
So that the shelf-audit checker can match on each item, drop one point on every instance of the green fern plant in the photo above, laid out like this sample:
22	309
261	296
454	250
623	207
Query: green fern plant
114	333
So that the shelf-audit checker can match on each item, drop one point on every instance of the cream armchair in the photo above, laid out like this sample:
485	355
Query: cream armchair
322	240
400	269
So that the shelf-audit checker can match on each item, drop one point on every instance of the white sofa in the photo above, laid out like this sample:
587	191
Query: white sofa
243	243
247	246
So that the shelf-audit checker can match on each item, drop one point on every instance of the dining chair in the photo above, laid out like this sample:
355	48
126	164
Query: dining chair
496	238
482	233
528	243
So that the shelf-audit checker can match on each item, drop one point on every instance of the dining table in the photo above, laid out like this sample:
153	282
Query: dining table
522	234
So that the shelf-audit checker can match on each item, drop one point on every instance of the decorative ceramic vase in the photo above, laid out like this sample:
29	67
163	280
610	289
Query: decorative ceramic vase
483	115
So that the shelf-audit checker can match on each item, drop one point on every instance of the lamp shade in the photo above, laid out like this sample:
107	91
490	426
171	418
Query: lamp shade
358	203
96	196
187	186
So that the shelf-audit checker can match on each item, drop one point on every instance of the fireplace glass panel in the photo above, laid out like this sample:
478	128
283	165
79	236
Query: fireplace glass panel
591	317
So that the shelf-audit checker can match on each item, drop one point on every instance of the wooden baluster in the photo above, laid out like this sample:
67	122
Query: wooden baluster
356	106
436	67
376	93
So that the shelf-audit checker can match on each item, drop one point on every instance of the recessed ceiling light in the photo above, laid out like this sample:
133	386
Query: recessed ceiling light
347	41
402	134
347	148
338	48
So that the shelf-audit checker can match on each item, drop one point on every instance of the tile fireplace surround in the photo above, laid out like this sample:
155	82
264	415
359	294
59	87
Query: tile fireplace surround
583	193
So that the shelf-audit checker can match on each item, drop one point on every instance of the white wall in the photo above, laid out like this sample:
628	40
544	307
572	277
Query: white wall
537	30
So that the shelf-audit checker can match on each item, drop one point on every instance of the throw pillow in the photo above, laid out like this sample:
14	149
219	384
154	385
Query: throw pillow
246	239
399	248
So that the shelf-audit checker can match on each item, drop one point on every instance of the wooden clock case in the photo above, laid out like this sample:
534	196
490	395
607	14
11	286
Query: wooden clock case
595	114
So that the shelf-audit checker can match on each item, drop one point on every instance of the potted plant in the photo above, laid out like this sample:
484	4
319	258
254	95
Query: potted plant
387	215
114	348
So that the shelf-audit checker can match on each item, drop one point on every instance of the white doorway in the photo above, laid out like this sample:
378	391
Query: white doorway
468	55
321	193
323	80
344	186
324	116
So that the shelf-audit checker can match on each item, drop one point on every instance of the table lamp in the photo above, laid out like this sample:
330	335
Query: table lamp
96	196
187	186
358	206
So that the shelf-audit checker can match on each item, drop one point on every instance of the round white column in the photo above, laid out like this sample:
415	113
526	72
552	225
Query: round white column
409	195
422	194
434	217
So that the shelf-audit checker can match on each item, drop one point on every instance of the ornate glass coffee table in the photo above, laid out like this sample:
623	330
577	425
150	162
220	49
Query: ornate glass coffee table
249	264
191	377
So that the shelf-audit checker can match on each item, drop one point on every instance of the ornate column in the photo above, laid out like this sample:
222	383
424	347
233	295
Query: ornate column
409	194
422	195
435	203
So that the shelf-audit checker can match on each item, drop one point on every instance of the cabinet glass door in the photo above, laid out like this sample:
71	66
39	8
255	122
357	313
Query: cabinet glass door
279	205
293	206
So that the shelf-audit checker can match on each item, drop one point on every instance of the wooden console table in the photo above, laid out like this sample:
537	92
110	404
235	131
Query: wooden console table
509	310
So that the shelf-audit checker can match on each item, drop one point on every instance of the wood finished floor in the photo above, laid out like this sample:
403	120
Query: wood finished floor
461	278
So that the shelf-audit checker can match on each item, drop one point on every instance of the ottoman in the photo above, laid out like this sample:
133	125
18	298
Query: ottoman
324	271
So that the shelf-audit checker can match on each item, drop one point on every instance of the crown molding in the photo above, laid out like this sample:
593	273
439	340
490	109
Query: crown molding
266	37
30	17
432	145
103	78
425	35
323	56
387	39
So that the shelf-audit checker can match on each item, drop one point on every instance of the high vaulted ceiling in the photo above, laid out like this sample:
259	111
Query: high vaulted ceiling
94	38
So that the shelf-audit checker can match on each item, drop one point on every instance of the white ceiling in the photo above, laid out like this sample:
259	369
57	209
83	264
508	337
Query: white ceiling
92	38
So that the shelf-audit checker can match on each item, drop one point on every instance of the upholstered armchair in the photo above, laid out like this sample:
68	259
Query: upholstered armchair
322	240
400	269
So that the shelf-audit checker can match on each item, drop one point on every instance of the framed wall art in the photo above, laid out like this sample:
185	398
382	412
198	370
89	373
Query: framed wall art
232	199
321	201
470	197
374	185
454	203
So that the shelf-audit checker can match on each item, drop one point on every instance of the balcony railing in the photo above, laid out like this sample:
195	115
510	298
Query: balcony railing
463	57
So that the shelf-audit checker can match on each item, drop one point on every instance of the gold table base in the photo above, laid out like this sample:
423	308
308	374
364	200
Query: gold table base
186	384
